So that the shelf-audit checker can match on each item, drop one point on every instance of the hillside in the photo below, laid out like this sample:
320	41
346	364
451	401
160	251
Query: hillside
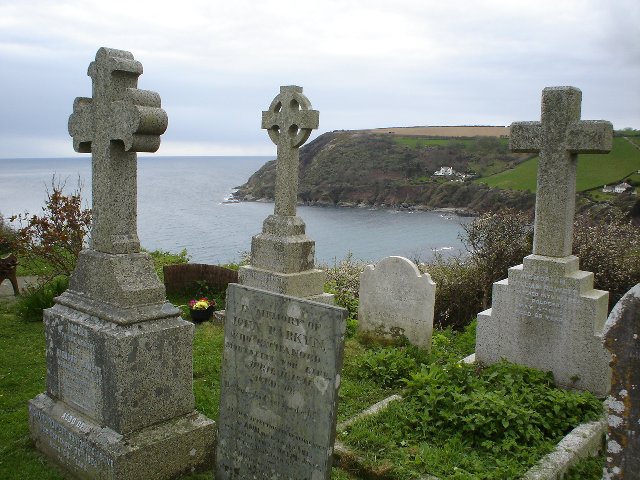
594	171
350	168
396	169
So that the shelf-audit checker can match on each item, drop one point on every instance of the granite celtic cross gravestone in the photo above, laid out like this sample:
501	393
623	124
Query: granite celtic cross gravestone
279	388
289	122
622	339
397	301
546	314
119	400
282	256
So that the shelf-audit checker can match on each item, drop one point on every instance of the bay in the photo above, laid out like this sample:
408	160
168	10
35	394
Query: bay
181	204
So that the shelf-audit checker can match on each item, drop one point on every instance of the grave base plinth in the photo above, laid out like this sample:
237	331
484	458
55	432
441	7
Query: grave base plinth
119	402
308	284
87	450
547	315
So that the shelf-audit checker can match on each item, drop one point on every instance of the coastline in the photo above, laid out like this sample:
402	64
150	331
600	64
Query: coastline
403	207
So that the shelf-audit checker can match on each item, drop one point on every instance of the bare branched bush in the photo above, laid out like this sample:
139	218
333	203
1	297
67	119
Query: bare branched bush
496	241
458	290
343	280
55	238
610	248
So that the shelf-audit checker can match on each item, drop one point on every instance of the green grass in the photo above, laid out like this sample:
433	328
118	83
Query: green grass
593	170
418	142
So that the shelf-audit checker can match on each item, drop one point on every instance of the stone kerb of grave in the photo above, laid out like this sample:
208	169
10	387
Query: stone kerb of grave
546	314
396	301
279	387
283	256
622	339
119	400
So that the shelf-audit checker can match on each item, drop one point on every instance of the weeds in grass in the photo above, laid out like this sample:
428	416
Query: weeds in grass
466	421
36	298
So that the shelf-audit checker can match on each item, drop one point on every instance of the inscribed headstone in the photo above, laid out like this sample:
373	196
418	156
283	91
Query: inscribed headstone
279	388
622	339
396	300
283	256
547	315
119	400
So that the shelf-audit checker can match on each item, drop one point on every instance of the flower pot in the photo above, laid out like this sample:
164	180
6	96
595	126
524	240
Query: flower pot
201	315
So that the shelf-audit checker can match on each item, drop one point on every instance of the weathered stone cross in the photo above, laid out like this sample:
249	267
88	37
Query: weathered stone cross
559	137
116	122
289	122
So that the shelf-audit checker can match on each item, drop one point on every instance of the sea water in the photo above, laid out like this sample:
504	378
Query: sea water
181	204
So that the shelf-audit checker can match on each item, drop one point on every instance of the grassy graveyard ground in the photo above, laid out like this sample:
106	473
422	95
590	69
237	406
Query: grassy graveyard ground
391	442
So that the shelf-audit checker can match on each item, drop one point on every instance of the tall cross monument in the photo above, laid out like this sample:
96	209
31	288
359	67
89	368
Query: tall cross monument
118	121
282	256
559	137
119	401
546	314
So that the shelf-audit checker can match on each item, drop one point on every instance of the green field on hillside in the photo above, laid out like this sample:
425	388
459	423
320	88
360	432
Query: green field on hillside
468	142
593	170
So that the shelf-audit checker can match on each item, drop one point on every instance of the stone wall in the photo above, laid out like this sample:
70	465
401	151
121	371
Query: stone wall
183	278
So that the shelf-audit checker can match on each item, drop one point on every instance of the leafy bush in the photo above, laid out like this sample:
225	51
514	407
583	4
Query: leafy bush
38	297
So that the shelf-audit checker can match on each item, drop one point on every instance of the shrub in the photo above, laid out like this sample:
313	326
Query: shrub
458	290
496	241
610	248
343	280
54	240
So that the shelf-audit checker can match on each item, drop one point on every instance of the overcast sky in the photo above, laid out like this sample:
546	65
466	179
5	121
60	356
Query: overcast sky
362	64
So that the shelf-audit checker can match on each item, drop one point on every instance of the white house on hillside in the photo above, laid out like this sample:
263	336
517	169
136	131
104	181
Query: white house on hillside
445	172
621	187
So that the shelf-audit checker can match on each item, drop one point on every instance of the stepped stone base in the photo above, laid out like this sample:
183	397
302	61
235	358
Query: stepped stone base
308	284
547	315
88	451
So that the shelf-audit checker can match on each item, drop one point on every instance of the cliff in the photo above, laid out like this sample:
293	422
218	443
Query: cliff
356	168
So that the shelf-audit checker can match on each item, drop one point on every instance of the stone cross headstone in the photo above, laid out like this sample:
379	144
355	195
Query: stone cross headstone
622	339
546	314
396	301
559	137
119	401
118	121
279	390
289	122
283	256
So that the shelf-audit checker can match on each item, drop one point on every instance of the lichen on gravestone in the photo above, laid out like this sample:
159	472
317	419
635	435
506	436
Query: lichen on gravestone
622	339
